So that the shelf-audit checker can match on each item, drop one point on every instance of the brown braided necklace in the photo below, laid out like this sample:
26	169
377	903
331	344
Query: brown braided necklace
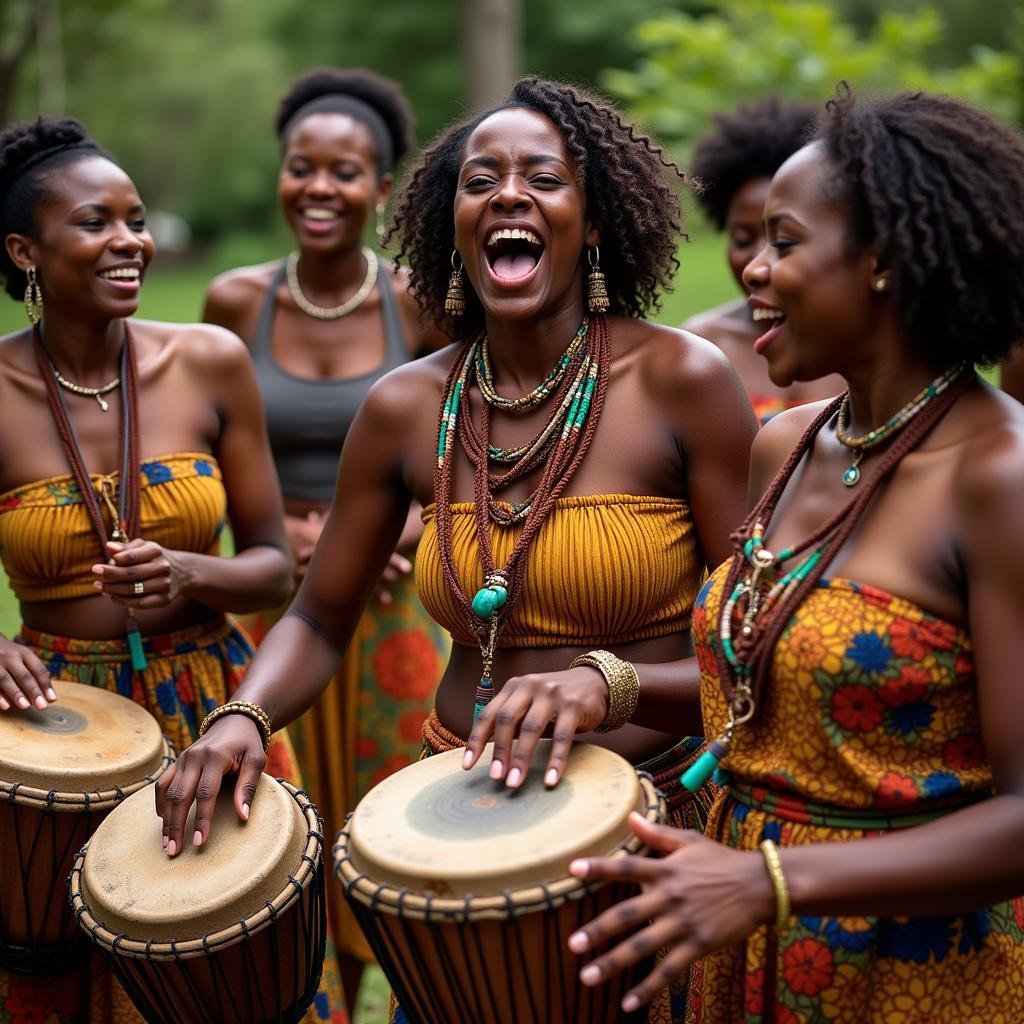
577	388
125	515
760	602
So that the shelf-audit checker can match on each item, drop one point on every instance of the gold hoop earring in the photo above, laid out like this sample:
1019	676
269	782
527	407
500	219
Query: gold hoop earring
380	229
597	290
33	297
455	300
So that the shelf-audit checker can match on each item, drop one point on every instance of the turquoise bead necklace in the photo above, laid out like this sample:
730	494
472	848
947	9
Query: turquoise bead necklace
576	386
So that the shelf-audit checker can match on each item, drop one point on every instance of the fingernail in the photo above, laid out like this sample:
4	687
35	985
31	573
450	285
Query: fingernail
23	702
197	838
578	868
578	942
514	778
467	759
4	706
552	777
496	769
245	811
630	1003
171	848
590	975
97	585
51	693
41	702
98	569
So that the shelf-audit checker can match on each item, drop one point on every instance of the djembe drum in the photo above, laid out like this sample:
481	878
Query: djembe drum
62	771
232	932
460	885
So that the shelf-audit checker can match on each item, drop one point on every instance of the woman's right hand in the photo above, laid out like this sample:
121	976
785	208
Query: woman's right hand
23	678
233	744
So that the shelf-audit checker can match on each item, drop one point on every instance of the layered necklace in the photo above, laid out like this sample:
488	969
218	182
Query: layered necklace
123	503
576	388
331	312
762	597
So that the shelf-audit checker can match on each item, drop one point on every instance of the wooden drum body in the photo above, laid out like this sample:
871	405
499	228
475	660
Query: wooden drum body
461	885
233	932
62	771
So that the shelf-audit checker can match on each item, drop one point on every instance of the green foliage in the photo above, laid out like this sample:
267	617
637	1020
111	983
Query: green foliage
693	66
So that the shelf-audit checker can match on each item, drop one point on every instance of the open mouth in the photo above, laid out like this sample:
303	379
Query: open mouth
319	218
128	278
772	319
513	254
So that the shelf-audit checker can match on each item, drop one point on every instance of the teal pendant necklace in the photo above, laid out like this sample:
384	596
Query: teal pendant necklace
576	386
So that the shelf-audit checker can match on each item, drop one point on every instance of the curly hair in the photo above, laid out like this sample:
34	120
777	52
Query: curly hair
381	94
629	185
752	142
25	165
936	187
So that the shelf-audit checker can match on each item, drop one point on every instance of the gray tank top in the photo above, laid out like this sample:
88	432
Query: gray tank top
307	419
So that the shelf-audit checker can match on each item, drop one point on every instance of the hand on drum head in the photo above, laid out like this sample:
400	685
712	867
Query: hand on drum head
232	744
24	680
699	897
576	700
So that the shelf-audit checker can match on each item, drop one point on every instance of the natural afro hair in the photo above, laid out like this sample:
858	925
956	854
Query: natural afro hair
936	187
630	188
381	94
23	190
752	142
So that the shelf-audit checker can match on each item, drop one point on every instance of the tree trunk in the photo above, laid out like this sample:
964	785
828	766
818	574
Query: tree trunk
15	46
491	49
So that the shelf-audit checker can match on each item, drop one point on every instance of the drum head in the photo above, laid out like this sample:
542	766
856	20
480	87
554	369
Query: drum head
133	888
89	741
433	827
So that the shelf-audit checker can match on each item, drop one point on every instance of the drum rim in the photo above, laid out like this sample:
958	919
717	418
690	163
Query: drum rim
408	904
84	800
312	856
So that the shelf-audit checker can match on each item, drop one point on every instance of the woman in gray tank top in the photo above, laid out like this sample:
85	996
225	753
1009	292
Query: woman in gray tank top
322	326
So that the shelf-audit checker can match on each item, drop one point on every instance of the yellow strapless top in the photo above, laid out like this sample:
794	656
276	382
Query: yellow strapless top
47	543
603	569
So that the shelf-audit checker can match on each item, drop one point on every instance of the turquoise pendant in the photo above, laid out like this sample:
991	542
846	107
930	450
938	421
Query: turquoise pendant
705	766
851	476
135	648
488	600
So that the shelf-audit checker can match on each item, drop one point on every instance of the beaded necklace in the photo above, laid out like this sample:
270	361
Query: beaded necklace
760	601
577	385
124	516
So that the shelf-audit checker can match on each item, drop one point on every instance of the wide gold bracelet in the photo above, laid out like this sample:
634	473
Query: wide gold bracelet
623	686
241	707
773	863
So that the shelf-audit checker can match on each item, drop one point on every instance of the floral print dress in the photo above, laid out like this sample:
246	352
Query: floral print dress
869	723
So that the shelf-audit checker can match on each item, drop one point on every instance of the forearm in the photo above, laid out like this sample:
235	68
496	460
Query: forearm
963	861
256	578
670	697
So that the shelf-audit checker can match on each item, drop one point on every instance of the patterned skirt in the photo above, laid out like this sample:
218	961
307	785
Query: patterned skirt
190	672
367	724
948	969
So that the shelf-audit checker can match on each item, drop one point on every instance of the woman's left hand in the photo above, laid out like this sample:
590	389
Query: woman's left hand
698	897
576	700
161	572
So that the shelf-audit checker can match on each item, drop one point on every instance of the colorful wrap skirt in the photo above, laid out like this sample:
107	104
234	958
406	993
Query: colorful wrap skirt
189	673
367	723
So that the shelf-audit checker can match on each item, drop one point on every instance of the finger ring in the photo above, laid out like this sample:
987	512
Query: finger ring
138	588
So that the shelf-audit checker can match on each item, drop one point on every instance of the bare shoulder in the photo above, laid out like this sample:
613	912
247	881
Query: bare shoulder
777	439
990	454
409	389
233	294
206	349
710	323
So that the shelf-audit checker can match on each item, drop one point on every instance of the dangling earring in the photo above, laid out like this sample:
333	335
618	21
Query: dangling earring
380	225
33	297
597	291
880	284
455	300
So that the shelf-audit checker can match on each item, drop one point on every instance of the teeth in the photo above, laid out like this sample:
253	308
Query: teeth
122	274
523	234
317	213
768	314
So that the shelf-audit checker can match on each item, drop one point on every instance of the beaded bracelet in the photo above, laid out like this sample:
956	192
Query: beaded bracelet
773	863
623	686
241	707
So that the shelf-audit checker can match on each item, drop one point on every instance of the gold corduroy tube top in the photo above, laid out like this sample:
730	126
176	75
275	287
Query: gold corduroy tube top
603	569
47	542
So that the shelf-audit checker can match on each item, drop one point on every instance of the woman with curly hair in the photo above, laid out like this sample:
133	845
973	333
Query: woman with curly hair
322	327
860	651
122	450
733	165
546	228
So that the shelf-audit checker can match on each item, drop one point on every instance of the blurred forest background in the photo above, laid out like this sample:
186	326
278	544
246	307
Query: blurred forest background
183	92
